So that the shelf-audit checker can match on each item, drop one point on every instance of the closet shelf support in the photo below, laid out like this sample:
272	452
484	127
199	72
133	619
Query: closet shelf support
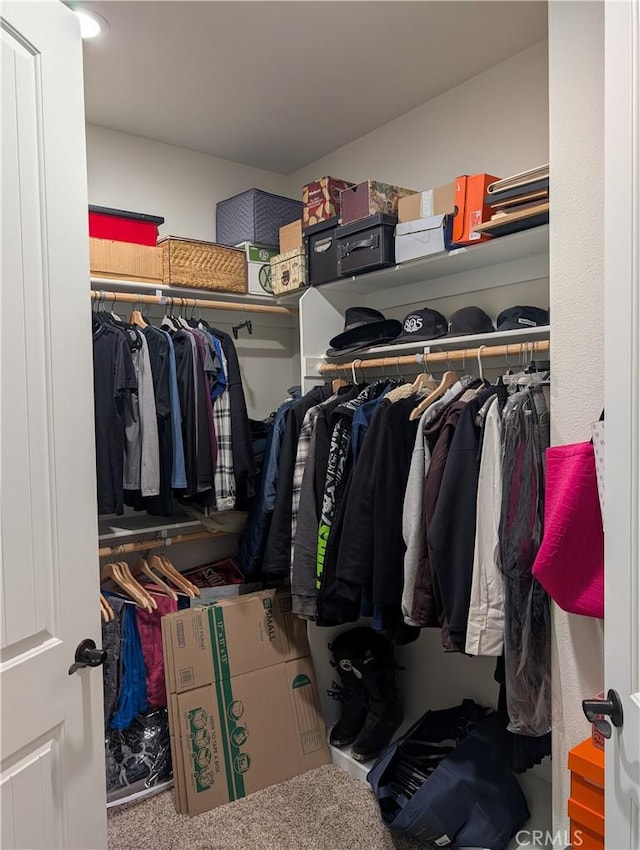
531	349
180	301
157	543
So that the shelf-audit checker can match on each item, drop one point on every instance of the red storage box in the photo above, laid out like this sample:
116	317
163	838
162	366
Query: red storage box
123	226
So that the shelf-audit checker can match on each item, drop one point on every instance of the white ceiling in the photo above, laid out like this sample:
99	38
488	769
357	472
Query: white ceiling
278	85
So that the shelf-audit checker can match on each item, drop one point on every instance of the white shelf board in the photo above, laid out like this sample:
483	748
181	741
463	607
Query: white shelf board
451	342
129	527
177	292
499	262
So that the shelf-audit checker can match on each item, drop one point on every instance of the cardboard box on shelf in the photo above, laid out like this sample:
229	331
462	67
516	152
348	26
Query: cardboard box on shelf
438	201
258	268
243	705
291	236
370	198
127	260
471	208
321	199
289	271
423	237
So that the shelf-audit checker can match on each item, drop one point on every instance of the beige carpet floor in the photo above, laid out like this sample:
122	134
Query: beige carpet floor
324	809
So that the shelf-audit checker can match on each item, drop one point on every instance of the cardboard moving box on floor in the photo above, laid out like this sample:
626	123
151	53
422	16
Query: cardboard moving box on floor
243	705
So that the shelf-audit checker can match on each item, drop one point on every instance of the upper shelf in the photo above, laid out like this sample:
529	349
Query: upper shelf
497	262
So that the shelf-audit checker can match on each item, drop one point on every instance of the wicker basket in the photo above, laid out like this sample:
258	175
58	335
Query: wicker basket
203	265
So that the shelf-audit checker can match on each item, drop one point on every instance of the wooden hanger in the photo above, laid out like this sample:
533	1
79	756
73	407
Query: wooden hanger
337	384
136	318
112	572
423	381
192	589
125	569
448	380
162	565
106	610
141	567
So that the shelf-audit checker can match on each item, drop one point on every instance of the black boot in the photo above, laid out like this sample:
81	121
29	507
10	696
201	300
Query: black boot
384	708
349	650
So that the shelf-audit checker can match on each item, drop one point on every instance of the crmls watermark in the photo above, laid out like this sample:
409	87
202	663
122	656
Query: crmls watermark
545	838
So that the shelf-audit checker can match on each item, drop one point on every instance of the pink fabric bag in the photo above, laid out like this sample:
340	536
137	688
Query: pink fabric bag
570	561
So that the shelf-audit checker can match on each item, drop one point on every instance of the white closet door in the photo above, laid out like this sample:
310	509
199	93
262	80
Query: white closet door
52	749
622	427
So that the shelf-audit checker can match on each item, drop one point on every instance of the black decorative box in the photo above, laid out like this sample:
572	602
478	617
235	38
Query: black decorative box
366	244
322	253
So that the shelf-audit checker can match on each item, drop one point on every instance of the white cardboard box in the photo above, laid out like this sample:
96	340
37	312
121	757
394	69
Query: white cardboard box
423	237
258	268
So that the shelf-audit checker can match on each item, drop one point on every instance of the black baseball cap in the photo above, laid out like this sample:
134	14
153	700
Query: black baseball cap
422	325
519	318
470	320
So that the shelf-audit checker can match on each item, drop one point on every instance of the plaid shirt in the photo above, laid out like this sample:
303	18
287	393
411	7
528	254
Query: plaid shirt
224	481
304	439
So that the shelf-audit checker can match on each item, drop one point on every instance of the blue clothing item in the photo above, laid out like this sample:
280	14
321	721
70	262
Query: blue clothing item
361	421
132	699
178	472
254	539
222	377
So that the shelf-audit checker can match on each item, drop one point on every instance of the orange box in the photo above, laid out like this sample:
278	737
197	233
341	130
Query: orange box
471	209
590	820
587	761
586	803
585	839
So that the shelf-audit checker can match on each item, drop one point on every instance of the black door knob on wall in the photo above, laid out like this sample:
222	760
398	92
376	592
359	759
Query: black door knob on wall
87	655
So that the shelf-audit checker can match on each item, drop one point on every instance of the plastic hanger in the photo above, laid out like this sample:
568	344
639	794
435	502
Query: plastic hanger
448	380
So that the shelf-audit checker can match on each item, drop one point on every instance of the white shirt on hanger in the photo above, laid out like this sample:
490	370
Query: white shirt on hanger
485	624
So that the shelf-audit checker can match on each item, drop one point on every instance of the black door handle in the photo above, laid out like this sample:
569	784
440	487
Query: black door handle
87	655
596	710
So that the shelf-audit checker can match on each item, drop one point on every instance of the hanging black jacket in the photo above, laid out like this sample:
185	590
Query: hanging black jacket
451	534
326	569
277	556
372	548
244	470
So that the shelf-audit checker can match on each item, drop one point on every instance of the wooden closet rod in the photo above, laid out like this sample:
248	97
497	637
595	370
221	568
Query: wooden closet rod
179	301
530	349
156	543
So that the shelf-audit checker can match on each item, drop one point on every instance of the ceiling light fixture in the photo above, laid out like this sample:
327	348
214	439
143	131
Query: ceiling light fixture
91	24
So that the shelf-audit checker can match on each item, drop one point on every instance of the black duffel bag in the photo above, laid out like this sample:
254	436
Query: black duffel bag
440	783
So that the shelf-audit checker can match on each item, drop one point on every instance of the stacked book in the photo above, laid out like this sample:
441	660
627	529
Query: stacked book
517	203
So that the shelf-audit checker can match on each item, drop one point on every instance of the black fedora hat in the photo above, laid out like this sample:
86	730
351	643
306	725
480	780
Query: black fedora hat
363	326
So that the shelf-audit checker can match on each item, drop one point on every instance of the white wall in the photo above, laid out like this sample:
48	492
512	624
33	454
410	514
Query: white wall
496	123
132	173
577	328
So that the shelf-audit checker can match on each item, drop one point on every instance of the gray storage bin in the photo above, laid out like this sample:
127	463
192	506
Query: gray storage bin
254	216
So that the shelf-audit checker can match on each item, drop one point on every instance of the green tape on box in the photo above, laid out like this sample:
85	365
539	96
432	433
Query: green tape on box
230	709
